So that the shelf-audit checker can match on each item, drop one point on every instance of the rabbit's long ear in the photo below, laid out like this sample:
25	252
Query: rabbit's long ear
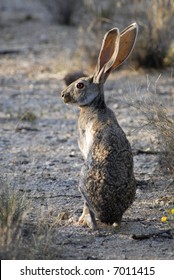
108	52
127	41
124	45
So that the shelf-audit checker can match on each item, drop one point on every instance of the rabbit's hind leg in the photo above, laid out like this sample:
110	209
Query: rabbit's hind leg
88	217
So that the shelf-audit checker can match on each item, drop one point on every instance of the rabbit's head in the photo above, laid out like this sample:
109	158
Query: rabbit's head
81	92
115	49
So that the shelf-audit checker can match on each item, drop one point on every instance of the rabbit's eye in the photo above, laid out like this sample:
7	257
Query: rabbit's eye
80	85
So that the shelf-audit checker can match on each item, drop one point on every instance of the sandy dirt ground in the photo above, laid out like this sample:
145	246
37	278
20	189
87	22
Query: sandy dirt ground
41	157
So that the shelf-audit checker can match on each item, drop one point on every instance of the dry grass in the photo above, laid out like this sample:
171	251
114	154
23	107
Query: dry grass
40	240
159	32
27	116
156	33
154	47
20	236
12	214
92	29
159	120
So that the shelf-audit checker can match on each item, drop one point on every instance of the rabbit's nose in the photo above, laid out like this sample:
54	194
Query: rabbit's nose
66	96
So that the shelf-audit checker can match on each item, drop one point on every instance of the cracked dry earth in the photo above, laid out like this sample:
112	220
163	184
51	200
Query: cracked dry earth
41	157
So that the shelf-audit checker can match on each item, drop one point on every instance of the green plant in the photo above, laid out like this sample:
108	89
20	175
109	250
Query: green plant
168	217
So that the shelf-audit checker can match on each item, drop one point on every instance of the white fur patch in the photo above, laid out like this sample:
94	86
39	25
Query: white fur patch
86	140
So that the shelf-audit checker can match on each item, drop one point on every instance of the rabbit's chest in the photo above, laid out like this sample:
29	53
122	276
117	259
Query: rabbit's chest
86	138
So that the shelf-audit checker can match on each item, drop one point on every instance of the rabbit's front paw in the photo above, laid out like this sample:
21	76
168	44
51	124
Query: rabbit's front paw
87	220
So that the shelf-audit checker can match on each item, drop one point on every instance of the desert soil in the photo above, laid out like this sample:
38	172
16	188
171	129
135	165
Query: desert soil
42	158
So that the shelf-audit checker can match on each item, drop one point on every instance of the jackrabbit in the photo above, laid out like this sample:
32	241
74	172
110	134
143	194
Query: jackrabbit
107	181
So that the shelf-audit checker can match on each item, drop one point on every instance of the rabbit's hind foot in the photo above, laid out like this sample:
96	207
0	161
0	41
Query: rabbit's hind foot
116	225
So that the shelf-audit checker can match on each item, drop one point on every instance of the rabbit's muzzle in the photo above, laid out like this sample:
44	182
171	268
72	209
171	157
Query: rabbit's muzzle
66	96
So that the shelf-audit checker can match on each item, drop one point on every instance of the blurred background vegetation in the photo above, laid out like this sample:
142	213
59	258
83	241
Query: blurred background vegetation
155	18
155	47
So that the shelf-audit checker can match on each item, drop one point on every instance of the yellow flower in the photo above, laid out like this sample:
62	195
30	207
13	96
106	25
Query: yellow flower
172	210
163	219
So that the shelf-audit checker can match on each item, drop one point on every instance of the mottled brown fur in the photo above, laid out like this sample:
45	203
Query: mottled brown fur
109	181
